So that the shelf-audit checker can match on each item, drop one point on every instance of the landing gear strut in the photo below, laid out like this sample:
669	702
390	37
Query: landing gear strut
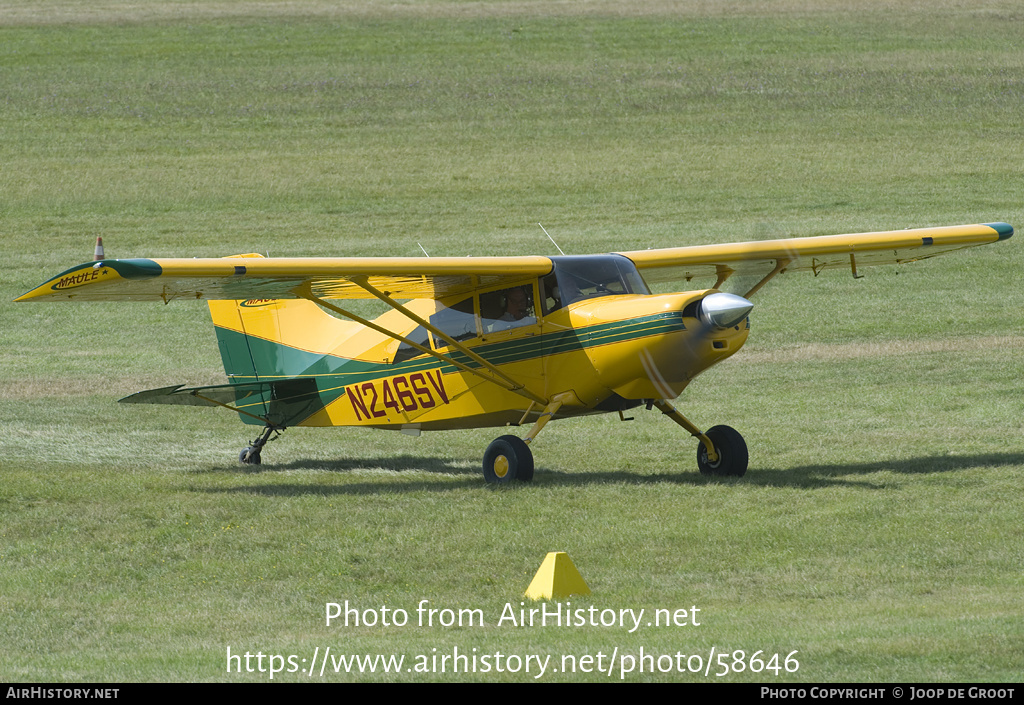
722	450
251	454
509	458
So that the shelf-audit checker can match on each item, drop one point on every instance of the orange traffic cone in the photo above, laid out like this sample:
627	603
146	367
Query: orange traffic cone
99	249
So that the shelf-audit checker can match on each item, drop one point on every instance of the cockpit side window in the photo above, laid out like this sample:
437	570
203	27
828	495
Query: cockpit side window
507	308
500	310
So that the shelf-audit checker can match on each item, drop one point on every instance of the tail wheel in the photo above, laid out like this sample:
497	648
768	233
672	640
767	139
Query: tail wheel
508	458
732	453
250	456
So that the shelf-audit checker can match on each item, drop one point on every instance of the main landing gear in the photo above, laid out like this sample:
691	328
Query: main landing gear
509	458
731	450
250	455
722	452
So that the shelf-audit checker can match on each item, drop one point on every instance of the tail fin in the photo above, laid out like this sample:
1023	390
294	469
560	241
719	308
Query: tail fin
265	339
273	352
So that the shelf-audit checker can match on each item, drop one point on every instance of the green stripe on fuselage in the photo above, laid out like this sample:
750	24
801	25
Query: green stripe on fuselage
274	360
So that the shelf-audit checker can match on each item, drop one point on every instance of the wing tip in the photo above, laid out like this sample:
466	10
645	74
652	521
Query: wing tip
65	286
1005	230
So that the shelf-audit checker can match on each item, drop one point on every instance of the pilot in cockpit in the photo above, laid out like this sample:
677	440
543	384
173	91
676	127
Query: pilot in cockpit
517	305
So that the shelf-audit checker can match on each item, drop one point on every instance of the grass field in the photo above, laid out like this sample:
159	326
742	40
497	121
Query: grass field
878	531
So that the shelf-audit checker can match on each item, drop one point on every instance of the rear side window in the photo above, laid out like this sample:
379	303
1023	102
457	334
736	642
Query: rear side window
458	322
406	351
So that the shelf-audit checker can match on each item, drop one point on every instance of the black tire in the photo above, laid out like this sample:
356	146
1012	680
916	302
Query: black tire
253	459
732	453
508	458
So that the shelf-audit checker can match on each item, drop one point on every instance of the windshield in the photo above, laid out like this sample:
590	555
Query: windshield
591	276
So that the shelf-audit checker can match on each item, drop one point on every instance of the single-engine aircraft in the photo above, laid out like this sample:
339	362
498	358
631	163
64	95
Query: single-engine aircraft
474	342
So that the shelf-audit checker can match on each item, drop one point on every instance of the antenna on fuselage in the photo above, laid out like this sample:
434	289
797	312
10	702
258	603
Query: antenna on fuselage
552	240
421	248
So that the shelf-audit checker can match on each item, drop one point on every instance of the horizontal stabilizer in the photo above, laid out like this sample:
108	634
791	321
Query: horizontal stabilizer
279	403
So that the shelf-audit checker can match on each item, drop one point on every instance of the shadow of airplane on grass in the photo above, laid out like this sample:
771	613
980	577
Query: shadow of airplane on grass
808	477
390	463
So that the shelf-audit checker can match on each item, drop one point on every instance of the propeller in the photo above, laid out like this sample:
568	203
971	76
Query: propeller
721	311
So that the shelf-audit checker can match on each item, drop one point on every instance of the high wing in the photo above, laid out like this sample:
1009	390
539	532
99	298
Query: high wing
254	277
769	257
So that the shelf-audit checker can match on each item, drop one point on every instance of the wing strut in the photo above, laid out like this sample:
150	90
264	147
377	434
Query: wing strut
853	267
509	383
496	377
780	264
723	274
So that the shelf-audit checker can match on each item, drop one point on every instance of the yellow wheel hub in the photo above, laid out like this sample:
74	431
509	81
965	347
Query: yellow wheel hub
501	466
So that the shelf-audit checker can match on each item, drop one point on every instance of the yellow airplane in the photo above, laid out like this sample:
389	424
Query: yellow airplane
474	342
